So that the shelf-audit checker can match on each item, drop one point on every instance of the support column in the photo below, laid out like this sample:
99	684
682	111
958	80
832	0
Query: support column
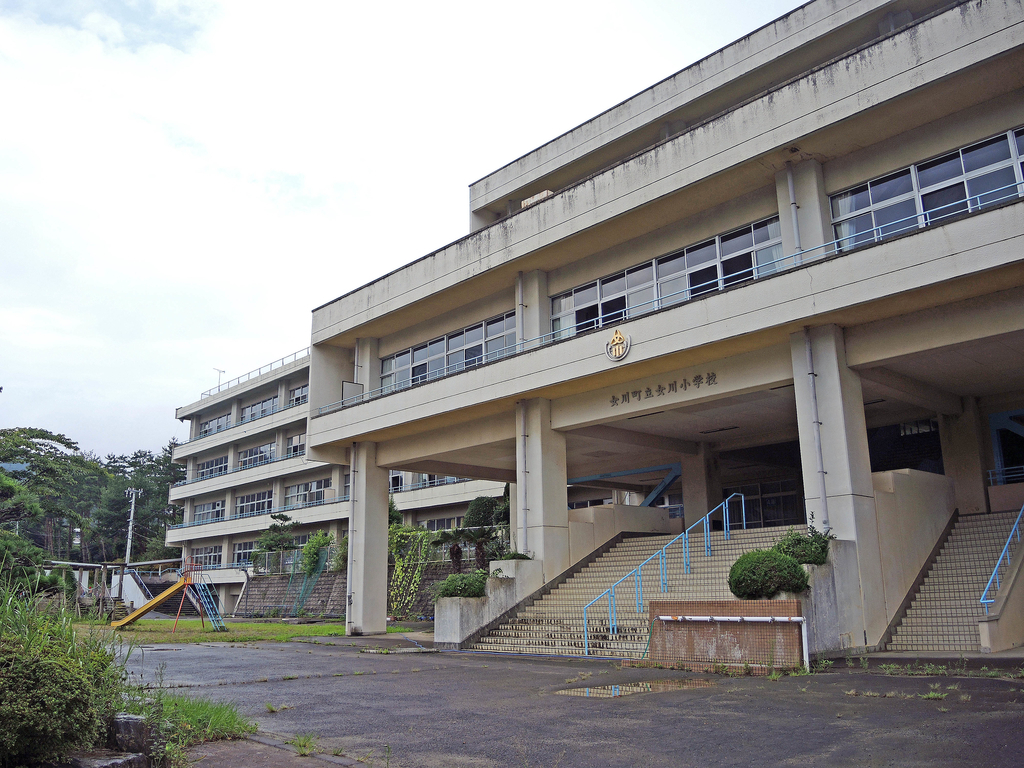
367	369
543	518
702	483
814	220
368	544
848	488
536	306
962	443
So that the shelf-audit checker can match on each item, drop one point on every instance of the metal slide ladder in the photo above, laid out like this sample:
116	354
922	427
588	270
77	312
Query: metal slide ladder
201	592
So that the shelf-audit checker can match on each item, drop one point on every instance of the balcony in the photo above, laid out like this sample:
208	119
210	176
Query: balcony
757	271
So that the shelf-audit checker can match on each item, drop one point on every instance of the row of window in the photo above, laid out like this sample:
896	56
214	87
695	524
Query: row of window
251	457
260	454
207	557
742	254
306	493
296	396
262	502
968	179
397	482
470	346
442	523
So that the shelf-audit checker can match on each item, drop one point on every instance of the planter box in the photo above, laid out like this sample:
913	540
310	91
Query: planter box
456	618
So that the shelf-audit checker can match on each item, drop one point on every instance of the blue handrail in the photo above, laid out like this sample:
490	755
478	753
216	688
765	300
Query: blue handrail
994	578
661	555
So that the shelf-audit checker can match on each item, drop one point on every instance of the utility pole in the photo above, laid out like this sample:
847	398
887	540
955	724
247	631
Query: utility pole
133	493
220	372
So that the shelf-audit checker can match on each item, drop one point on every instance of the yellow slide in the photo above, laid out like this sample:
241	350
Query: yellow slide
167	594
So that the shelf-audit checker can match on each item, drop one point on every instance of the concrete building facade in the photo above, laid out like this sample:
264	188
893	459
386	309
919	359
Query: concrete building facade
791	270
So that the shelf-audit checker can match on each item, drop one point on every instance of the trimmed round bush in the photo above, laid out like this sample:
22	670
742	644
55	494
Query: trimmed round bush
462	585
764	573
46	704
480	512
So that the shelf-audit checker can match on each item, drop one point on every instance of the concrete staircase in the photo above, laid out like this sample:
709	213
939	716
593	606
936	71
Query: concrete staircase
945	611
553	625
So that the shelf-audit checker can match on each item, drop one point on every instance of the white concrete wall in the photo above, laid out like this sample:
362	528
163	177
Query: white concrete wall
592	527
912	509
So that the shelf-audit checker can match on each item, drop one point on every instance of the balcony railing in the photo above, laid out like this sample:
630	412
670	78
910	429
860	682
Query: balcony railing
240	469
261	513
240	422
258	372
430	484
777	266
1006	476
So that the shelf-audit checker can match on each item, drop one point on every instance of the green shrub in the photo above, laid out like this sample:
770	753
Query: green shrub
311	551
462	585
480	512
811	548
765	572
47	705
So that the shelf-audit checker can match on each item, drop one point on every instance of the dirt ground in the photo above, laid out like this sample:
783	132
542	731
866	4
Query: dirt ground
458	709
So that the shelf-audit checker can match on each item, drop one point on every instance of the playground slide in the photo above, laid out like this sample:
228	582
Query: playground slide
167	594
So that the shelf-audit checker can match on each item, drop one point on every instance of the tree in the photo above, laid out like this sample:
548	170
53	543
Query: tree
394	513
480	512
279	535
479	538
452	538
16	501
21	568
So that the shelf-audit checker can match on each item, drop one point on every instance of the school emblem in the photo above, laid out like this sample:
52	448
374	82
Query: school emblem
617	347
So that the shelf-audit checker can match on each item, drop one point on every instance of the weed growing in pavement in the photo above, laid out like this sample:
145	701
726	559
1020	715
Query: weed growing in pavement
305	743
863	662
852	692
931	695
953	687
775	675
823	665
943	709
965	697
889	695
872	694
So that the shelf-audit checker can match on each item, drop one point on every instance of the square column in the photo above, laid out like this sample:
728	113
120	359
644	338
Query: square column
814	219
702	483
543	505
536	307
368	545
962	451
848	488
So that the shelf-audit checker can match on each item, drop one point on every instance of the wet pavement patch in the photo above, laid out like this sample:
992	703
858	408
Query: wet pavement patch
628	689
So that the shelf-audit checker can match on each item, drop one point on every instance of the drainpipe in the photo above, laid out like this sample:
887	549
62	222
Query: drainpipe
817	432
520	310
351	541
793	207
522	477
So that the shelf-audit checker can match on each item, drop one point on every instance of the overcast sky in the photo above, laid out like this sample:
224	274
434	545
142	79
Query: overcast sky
182	182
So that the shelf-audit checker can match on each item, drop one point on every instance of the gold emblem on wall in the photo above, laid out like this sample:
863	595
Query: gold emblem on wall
618	346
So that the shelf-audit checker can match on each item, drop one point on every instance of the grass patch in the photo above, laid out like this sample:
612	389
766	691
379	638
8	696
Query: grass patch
192	631
195	720
398	628
305	744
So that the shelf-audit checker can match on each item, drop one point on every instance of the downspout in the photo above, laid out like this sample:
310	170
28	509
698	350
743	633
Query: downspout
523	476
793	207
817	432
351	541
520	313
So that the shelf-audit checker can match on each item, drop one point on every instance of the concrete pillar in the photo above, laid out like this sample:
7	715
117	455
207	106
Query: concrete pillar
368	364
513	518
813	215
278	489
368	544
962	438
225	551
236	410
190	467
232	457
702	483
537	306
543	519
282	393
193	429
848	488
229	504
280	443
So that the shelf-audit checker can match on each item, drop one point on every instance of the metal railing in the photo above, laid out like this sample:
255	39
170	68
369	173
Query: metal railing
1006	476
447	480
850	242
238	423
260	513
994	578
257	372
662	558
240	469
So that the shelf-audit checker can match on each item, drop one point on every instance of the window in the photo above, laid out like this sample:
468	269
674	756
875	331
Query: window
347	486
299	395
242	552
767	504
214	425
260	409
212	467
922	427
743	254
296	445
253	457
208	512
395	481
207	557
301	540
968	179
305	494
442	523
251	504
483	342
